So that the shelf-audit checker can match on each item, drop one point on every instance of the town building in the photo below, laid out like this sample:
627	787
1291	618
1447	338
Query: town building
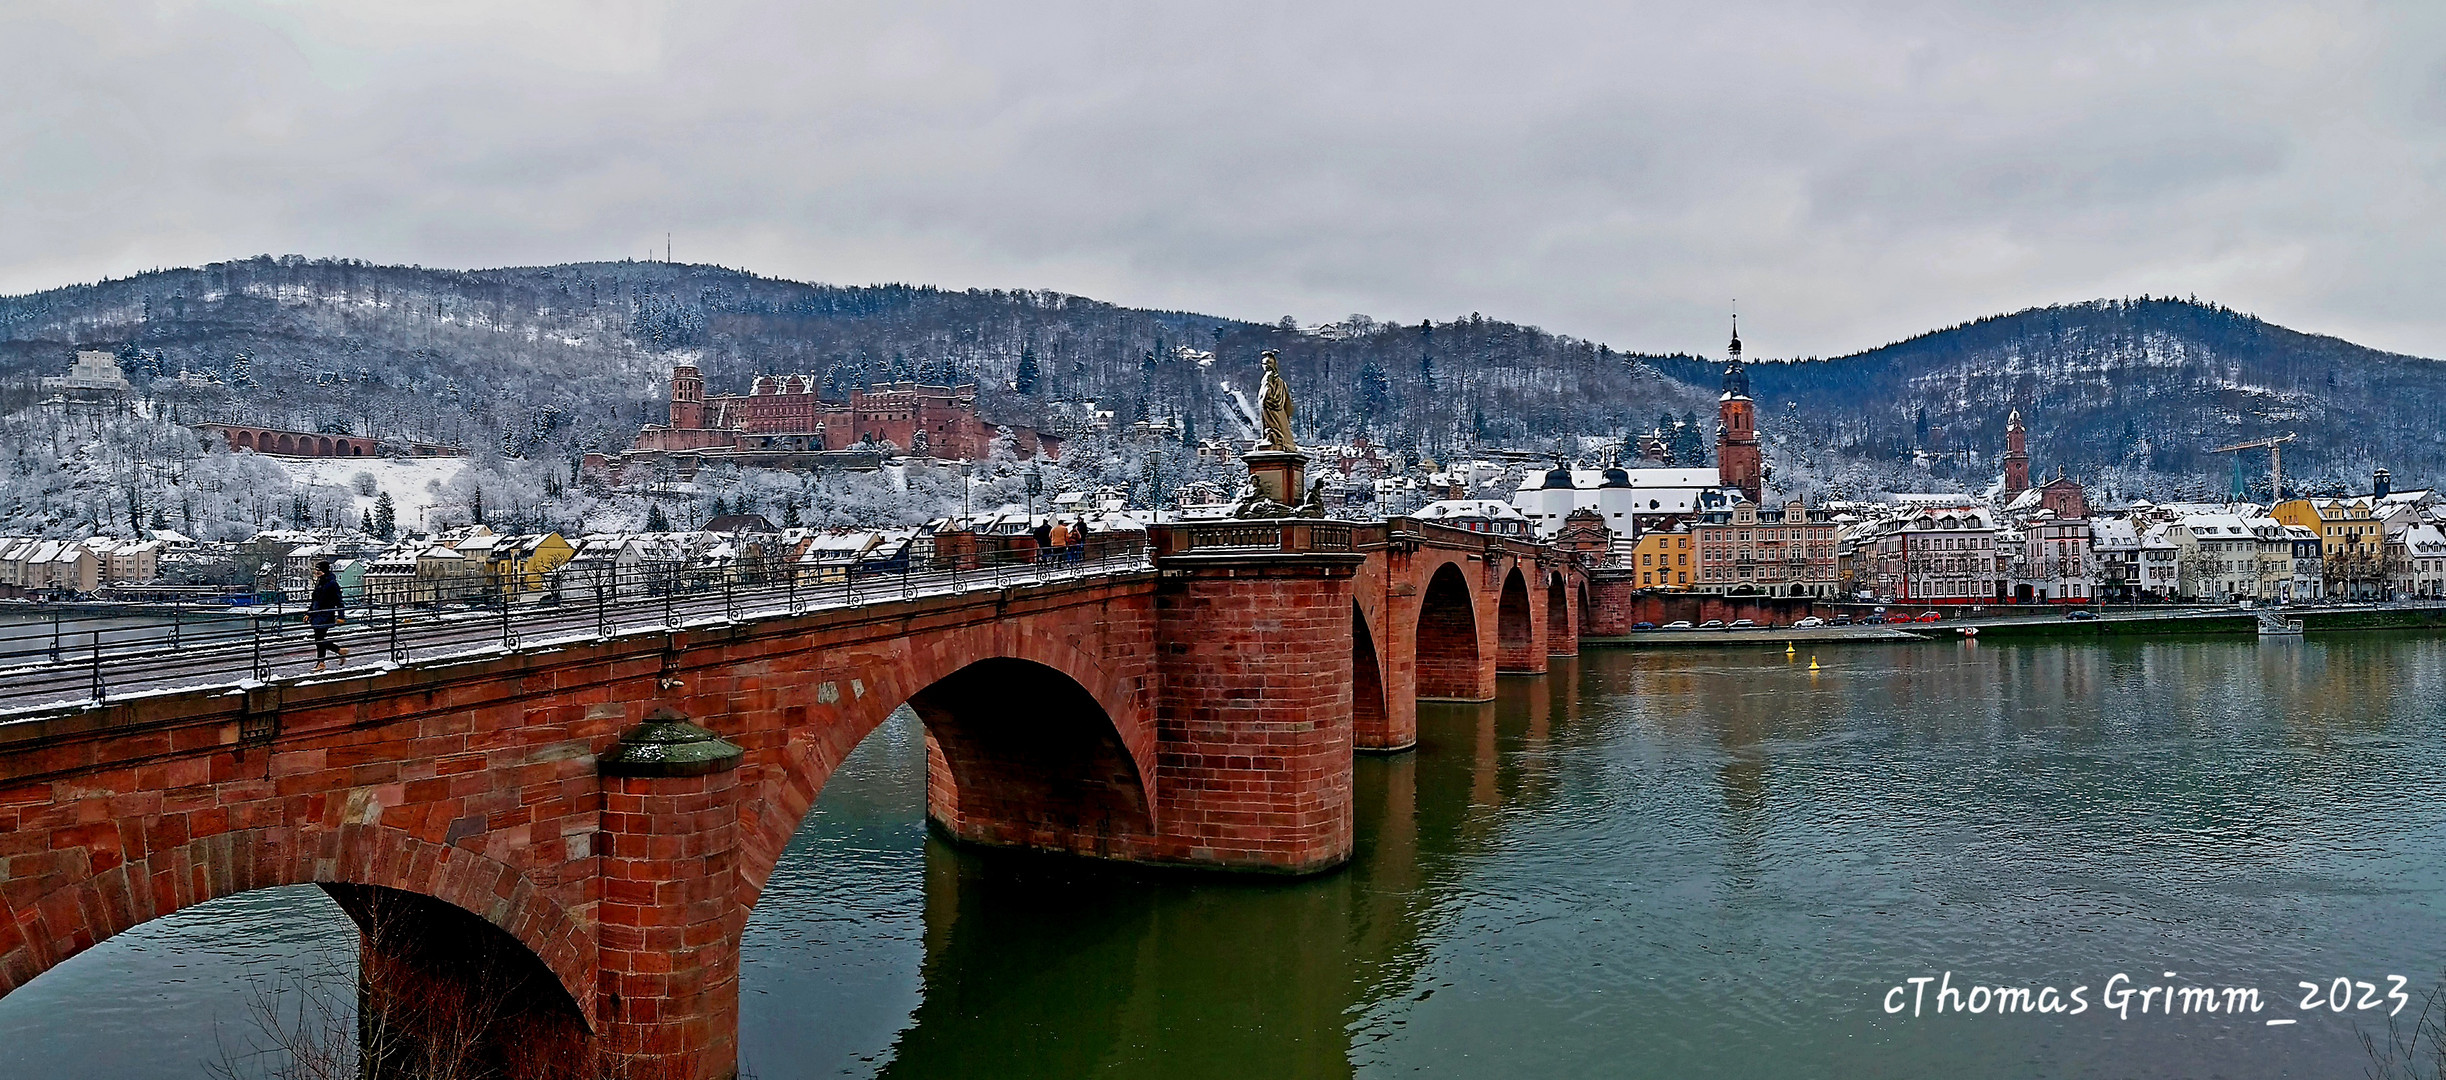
2351	539
1786	552
1664	560
783	419
1630	501
2421	572
2016	458
2309	578
2218	557
1739	462
2056	564
94	376
1476	515
2161	565
1944	556
2114	545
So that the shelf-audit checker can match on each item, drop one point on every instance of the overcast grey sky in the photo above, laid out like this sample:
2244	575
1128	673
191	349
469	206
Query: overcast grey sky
1852	172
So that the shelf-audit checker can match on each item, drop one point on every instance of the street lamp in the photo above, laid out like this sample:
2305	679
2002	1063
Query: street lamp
968	484
1036	487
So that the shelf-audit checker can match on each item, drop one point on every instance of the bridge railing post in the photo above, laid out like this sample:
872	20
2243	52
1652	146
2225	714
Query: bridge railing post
501	591
398	655
730	601
263	667
55	647
97	667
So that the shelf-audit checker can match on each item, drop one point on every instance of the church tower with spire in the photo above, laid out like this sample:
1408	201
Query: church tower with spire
2016	457
1738	462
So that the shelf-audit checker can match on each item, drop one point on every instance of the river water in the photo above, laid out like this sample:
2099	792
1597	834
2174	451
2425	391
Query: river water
1658	862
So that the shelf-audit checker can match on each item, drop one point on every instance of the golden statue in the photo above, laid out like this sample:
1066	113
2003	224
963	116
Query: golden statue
1274	400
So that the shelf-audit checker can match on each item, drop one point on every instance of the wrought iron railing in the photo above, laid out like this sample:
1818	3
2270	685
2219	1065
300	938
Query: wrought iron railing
58	653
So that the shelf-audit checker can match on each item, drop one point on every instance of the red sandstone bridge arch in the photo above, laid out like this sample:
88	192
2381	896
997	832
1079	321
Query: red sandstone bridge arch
1562	633
1450	649
1517	649
1368	705
122	877
950	682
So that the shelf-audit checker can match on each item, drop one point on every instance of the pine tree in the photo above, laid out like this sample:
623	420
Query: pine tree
1146	386
654	519
475	503
790	518
1025	381
386	517
721	508
1375	390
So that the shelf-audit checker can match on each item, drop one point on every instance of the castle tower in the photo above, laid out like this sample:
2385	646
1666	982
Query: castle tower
1738	463
2016	458
687	398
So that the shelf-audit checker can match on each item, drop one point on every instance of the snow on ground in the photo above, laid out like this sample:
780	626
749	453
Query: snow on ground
414	483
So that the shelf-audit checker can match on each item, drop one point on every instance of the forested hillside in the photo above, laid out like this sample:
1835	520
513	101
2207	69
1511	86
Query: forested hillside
2136	391
565	358
539	364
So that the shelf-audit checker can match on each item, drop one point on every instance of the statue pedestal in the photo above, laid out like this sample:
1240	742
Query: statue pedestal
1280	475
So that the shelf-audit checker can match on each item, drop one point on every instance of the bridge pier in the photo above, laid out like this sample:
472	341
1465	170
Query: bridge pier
1254	715
667	1002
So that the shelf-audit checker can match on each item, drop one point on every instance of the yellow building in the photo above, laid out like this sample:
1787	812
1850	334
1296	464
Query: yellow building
2352	543
2345	527
1664	560
525	563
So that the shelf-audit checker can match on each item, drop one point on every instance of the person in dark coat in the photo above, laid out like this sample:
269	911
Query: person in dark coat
1043	533
323	613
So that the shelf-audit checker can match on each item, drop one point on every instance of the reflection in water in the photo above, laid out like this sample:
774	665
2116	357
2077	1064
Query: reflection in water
1657	862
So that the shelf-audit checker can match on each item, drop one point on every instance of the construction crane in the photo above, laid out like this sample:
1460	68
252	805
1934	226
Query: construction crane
2276	461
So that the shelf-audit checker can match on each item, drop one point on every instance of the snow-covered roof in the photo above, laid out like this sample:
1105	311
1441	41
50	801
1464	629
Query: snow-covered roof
2425	541
2217	526
2113	534
1480	509
1933	499
1585	479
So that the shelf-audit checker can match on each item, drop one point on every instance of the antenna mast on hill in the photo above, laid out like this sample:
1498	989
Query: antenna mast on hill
666	247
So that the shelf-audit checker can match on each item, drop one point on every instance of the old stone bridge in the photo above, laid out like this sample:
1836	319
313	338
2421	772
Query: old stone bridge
512	830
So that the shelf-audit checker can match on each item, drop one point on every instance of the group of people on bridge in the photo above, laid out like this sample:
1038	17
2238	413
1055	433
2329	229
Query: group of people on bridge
1060	540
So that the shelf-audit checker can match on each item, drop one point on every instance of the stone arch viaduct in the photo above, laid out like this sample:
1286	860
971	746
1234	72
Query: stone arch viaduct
598	819
290	443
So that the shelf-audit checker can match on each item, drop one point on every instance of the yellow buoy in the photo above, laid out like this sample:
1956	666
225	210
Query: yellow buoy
1787	648
1813	663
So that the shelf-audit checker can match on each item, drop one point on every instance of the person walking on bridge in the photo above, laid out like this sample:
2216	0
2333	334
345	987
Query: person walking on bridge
323	614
